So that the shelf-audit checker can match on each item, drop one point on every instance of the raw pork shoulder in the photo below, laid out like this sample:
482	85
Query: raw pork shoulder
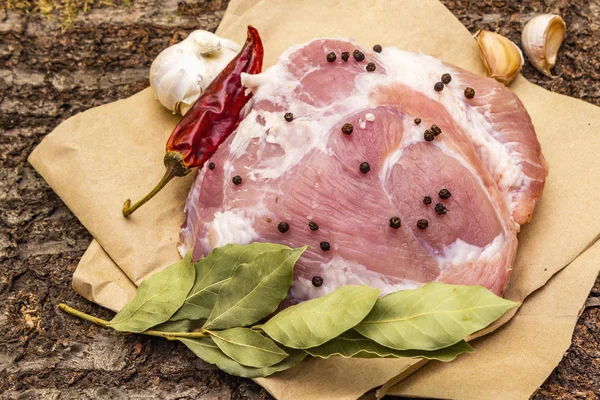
340	192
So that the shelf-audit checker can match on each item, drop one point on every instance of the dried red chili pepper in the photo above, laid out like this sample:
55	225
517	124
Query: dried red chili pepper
212	118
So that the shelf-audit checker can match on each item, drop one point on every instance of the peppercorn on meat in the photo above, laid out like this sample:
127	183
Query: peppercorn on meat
391	179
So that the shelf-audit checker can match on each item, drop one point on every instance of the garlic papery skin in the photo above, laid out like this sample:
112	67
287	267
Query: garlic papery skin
180	73
502	58
541	38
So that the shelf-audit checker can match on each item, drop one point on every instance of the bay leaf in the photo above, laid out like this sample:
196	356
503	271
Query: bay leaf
184	325
248	347
255	289
319	320
214	270
353	345
206	349
432	317
157	298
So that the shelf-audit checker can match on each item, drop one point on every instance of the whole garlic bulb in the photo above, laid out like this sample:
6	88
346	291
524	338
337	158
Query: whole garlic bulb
180	73
502	58
541	38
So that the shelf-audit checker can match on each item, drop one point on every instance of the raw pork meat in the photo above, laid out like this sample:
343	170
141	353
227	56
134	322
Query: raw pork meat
308	170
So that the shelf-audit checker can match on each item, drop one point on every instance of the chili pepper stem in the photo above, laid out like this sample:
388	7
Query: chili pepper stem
98	321
175	167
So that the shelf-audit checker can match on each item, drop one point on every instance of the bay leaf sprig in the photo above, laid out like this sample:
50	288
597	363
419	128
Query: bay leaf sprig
211	305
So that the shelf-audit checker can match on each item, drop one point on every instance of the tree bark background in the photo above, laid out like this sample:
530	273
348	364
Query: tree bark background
47	74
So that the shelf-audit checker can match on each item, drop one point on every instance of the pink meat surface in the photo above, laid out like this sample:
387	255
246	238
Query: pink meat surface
307	170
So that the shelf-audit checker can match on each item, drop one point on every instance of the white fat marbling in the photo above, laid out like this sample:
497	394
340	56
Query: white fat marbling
411	134
507	171
461	252
230	227
338	272
388	165
308	131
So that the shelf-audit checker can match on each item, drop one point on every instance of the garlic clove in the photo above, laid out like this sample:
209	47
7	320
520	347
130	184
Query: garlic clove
502	58
180	73
203	42
541	38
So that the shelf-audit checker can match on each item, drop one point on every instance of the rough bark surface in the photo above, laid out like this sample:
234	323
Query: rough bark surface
46	76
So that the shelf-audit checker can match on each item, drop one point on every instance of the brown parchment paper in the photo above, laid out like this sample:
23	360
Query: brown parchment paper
100	280
97	159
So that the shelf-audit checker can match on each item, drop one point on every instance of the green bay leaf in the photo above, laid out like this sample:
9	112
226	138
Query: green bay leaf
206	349
255	289
248	347
213	271
353	345
157	298
319	320
432	317
184	325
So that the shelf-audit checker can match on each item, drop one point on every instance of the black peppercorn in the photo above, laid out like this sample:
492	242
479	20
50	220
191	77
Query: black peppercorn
427	200
331	57
211	165
347	129
436	130
469	93
313	226
317	281
364	167
377	48
417	121
440	209
288	117
236	180
422	224
444	194
325	246
428	135
345	55
395	222
283	227
446	79
370	67
439	86
358	55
